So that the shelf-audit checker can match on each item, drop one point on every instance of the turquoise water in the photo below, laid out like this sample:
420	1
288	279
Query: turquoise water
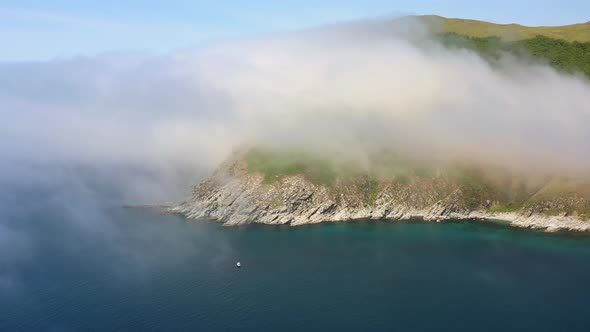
153	272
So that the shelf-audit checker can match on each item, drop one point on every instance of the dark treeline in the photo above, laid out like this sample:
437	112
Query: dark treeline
570	57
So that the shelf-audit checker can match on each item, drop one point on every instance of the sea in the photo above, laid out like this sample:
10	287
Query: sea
68	263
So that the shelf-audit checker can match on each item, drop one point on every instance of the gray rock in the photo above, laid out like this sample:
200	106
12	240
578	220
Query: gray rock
234	196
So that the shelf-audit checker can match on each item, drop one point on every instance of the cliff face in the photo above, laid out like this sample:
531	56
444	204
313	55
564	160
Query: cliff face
236	195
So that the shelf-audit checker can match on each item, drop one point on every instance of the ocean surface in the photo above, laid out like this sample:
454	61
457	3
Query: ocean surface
152	272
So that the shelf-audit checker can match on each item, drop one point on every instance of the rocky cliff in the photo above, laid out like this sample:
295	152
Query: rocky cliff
237	194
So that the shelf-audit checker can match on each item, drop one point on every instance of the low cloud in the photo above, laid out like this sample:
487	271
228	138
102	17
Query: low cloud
360	85
144	128
369	88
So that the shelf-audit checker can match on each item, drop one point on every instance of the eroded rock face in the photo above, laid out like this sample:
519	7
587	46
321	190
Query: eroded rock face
235	196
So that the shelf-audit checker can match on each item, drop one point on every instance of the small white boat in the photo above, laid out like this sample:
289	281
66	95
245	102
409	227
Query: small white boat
238	264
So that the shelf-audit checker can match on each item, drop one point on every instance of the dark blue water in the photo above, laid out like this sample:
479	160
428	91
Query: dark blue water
152	272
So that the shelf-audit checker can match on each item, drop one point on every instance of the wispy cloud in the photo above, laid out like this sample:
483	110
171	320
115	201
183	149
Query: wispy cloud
326	86
29	15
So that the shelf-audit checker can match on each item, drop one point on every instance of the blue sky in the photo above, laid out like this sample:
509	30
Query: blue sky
40	29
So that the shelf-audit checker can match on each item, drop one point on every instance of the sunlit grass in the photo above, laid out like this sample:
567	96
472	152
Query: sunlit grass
510	32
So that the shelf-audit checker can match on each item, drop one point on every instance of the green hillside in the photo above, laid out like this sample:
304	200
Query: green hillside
565	48
568	57
508	32
503	190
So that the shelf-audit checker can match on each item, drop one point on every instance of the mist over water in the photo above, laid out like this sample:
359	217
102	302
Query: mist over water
354	86
83	136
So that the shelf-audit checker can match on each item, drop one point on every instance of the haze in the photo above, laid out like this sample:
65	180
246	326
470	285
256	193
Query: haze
355	86
84	134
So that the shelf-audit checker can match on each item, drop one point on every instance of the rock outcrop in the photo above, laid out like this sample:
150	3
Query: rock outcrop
235	195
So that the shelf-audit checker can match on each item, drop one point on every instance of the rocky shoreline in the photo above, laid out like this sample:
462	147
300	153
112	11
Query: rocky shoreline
234	196
546	223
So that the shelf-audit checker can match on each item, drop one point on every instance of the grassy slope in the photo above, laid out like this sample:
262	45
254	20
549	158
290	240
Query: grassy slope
502	190
509	32
275	164
566	48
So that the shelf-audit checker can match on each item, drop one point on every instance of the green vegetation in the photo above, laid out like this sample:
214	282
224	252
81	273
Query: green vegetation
370	189
561	196
276	164
490	188
509	32
563	55
476	188
388	164
320	170
467	176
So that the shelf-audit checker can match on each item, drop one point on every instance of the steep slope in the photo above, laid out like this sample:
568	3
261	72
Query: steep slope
294	187
262	187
